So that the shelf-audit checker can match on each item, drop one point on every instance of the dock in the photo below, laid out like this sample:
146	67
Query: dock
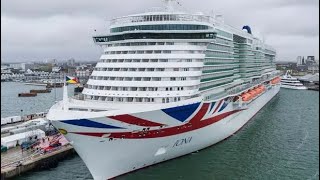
20	155
35	162
314	88
44	154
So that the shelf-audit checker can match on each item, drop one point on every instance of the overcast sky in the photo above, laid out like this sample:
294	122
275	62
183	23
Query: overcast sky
35	30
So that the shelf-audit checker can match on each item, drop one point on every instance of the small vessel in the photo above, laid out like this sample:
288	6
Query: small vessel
40	91
290	82
27	94
35	84
54	85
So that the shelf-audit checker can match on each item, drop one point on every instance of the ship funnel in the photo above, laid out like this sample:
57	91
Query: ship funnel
246	27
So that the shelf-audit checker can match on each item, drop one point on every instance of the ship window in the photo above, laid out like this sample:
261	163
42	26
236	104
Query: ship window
151	43
77	109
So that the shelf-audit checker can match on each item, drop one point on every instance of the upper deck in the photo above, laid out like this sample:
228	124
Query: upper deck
161	16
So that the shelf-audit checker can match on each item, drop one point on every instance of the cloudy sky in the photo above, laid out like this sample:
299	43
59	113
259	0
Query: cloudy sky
36	30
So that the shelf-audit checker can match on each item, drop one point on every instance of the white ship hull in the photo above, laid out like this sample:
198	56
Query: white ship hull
107	158
293	87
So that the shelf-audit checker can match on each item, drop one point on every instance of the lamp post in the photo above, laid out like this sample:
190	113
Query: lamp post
21	113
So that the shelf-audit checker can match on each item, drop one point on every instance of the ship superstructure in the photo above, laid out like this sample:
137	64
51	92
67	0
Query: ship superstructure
166	79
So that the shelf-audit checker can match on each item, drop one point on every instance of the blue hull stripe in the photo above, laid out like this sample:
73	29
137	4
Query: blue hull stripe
212	105
89	123
181	113
224	105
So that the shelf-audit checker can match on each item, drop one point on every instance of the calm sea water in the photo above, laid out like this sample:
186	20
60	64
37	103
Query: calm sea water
280	142
11	104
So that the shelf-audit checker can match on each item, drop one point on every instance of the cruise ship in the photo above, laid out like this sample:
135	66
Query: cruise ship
289	82
167	84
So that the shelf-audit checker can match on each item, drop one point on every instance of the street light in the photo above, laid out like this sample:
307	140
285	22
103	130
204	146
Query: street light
21	113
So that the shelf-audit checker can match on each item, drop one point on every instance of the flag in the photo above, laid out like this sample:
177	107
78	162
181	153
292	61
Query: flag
72	80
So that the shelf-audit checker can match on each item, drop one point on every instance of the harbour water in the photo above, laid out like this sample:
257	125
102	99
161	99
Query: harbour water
11	104
280	142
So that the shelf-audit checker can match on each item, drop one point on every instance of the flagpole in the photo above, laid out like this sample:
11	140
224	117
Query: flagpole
65	94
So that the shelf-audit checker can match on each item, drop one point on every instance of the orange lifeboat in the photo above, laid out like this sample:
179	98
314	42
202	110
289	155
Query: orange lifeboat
273	81
276	80
262	87
246	97
256	91
259	89
252	93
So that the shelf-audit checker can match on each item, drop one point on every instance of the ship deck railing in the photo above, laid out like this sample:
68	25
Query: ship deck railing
161	16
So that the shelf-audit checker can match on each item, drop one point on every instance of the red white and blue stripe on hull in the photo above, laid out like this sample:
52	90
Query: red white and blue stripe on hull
114	145
165	122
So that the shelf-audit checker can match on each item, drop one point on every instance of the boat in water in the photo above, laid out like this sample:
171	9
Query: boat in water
168	83
289	82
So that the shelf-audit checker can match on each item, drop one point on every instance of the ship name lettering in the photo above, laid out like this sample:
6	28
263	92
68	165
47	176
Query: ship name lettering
183	141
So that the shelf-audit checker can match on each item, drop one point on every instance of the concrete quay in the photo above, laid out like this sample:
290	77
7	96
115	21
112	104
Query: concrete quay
36	162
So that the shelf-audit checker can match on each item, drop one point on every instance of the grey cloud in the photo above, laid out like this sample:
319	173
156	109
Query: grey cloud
38	29
100	8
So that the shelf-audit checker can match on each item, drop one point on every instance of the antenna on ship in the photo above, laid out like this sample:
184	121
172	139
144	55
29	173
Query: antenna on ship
169	4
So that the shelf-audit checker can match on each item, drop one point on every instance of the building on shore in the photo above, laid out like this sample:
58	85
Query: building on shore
302	66
310	80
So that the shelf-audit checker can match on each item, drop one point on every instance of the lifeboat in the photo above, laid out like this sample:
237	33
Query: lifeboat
262	88
252	93
272	81
256	91
275	80
259	89
246	97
